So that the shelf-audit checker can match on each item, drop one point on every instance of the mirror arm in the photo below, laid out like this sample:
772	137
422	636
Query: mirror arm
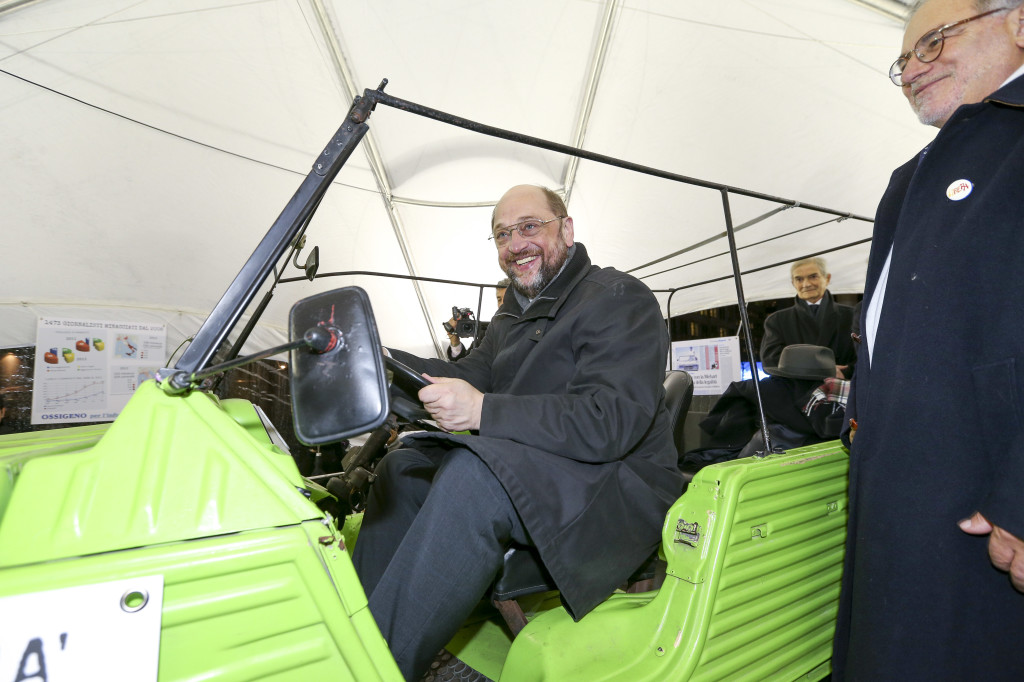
317	339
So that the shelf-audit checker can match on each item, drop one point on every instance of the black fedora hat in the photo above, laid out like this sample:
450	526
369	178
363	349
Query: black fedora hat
803	361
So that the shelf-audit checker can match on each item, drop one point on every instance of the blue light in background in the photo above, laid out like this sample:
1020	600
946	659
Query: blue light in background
745	371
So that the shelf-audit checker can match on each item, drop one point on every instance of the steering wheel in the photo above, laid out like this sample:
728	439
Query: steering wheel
405	384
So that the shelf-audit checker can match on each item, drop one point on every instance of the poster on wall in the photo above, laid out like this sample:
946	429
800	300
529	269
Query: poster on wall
713	363
86	370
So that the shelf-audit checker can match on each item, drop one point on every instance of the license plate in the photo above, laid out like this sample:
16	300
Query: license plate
104	631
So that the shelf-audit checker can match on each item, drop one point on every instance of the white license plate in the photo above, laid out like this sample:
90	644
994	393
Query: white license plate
104	631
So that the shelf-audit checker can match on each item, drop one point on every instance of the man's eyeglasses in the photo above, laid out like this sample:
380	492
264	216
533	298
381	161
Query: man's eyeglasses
526	229
929	46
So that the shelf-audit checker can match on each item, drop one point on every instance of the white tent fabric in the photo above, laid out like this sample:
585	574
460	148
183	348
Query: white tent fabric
147	145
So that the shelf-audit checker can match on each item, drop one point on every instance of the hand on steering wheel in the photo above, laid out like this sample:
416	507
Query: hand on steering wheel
404	388
456	405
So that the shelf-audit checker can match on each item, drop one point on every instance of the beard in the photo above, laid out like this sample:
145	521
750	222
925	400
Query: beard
963	84
934	113
551	264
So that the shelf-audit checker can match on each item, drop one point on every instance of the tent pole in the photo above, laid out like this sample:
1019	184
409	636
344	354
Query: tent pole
374	159
604	39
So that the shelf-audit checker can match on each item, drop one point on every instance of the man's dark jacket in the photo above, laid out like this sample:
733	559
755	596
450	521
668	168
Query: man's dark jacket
940	412
830	326
574	423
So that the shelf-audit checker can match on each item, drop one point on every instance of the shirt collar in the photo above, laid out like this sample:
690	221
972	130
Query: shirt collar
1014	75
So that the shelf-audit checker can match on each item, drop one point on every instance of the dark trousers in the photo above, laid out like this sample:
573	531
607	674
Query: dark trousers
433	538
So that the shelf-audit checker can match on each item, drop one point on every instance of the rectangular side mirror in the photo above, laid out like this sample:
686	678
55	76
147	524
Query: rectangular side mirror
341	390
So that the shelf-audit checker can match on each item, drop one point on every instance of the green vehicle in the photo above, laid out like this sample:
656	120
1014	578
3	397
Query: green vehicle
181	542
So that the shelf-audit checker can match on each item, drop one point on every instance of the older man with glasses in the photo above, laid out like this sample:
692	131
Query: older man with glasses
566	444
937	455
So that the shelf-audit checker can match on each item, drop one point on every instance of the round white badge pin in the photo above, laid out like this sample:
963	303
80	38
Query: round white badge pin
959	189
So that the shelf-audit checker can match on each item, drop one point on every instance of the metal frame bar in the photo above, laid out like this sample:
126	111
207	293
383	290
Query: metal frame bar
305	200
275	244
411	107
725	191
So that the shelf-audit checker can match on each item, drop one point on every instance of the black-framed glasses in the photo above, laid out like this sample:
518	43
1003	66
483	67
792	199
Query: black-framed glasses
526	229
929	46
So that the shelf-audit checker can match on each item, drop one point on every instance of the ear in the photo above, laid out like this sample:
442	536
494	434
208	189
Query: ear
1015	23
567	230
828	279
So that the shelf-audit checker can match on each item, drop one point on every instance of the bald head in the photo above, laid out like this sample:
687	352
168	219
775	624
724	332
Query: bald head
555	203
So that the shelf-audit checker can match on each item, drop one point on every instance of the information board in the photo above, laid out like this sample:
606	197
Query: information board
713	363
86	370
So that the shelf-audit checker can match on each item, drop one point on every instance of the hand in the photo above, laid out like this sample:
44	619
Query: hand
453	339
453	403
1004	549
840	369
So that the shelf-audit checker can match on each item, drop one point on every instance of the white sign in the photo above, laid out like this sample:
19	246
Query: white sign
106	631
713	363
86	370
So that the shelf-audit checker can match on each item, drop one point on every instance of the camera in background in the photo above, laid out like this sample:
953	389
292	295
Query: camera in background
465	326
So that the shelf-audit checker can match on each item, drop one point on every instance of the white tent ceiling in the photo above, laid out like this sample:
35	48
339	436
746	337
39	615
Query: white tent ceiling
146	145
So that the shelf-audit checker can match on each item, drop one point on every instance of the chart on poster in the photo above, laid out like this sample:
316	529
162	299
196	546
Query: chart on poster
86	370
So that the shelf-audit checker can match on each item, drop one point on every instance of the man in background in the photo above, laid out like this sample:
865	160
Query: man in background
456	351
804	403
814	319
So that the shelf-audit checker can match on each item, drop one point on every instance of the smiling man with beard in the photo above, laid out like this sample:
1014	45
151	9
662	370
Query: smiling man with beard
569	447
532	260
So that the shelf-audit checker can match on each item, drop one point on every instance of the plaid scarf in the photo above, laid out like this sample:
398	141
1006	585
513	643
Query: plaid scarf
832	391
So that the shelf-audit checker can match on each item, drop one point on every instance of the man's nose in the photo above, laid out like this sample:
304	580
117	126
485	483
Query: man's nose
913	70
516	242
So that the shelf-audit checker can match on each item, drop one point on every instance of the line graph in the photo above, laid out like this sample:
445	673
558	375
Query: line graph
77	392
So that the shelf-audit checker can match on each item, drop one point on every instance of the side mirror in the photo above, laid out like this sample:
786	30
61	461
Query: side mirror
339	387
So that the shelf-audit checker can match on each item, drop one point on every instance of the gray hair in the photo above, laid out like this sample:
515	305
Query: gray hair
986	5
817	260
979	5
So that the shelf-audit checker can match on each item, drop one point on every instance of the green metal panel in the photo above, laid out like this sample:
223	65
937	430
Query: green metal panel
754	550
170	468
254	605
13	443
257	581
16	448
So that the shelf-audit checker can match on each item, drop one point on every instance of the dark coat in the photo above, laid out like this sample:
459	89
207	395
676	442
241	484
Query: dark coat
734	419
829	327
574	424
939	412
